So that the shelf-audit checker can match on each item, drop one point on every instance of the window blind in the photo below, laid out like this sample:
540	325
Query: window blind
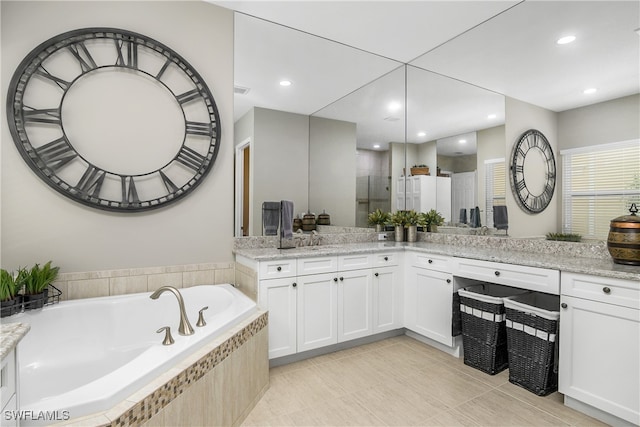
599	183
495	187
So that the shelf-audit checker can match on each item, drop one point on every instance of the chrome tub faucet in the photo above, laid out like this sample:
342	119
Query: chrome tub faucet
185	327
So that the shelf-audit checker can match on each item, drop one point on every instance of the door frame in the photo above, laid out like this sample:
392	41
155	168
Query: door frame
239	187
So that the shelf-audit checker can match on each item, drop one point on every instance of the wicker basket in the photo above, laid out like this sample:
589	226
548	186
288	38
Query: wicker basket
484	334
532	322
420	171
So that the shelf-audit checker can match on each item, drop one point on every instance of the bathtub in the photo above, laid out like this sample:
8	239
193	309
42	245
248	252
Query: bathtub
85	356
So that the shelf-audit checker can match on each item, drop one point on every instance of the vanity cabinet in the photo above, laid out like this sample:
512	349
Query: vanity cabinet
600	344
319	301
429	296
8	389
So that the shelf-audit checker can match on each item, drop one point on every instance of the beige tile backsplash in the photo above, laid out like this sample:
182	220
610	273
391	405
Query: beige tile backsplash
78	285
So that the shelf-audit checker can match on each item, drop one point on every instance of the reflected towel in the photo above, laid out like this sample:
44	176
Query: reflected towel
472	217
463	216
270	218
477	223
500	217
287	219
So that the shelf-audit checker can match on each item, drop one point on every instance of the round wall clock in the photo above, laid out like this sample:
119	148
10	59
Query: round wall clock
113	119
533	171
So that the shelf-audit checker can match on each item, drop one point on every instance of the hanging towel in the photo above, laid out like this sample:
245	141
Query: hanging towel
270	218
463	216
500	217
287	219
472	217
477	223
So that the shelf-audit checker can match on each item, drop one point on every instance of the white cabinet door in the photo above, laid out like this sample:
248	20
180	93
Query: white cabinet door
387	299
354	304
317	314
599	356
428	304
278	296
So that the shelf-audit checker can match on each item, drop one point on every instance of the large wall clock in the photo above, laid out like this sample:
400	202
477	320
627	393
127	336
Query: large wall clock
113	119
533	171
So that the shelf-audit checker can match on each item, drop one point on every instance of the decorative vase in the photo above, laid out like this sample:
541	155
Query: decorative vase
623	241
412	233
399	233
379	228
434	228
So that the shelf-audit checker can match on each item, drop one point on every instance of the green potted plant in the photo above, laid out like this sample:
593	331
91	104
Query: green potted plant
379	219
10	285
397	219
431	220
411	220
35	285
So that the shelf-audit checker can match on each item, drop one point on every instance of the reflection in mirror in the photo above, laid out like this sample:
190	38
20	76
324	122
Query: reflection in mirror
356	147
274	158
453	129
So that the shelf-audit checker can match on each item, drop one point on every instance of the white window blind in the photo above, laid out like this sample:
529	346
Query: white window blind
494	187
599	184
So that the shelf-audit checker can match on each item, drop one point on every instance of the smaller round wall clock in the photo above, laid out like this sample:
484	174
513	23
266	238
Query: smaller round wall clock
533	171
113	119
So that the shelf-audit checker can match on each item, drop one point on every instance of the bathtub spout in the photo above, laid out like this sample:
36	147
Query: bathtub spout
185	327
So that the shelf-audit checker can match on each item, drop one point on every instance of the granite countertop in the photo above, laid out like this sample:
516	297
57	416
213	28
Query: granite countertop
585	265
10	336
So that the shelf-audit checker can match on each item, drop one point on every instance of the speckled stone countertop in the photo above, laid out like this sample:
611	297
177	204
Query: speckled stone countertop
554	261
10	336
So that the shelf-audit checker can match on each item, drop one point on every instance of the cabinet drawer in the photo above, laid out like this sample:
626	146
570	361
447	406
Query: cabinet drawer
355	261
625	293
278	268
317	265
386	259
519	276
431	261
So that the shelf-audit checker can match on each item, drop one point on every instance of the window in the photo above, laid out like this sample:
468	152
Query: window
599	184
495	187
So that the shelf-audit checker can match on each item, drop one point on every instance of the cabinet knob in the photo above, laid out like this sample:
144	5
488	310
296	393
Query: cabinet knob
606	290
376	274
341	279
294	284
335	279
279	268
448	280
430	261
563	305
386	258
497	273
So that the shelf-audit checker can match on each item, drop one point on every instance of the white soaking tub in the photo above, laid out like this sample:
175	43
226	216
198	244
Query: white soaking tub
85	356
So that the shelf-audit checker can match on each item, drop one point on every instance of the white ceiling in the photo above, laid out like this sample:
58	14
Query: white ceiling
330	49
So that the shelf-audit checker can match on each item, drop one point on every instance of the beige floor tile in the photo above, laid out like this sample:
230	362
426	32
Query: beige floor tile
396	405
344	411
453	418
552	404
496	408
282	369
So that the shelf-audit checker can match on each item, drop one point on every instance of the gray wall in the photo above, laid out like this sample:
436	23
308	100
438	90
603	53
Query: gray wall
38	224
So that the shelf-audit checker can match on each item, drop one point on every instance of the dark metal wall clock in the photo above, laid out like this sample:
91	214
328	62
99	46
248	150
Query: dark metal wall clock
533	171
113	119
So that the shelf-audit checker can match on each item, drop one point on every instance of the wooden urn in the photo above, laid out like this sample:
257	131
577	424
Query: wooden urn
624	238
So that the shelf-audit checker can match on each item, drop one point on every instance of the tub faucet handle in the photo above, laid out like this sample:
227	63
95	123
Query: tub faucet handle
168	339
201	321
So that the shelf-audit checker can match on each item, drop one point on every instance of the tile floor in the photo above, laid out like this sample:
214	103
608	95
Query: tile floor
401	382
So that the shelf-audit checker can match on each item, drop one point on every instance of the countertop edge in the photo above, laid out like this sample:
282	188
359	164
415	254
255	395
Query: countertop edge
10	336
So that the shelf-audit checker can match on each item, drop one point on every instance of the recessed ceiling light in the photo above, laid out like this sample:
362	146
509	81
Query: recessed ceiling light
565	39
285	83
590	91
394	106
376	145
462	141
491	116
422	134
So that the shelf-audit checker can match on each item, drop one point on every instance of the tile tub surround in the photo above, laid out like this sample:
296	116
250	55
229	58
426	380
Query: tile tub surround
10	336
217	385
78	285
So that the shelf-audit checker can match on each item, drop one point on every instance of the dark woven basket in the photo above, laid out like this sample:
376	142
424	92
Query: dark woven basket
532	359
484	341
456	321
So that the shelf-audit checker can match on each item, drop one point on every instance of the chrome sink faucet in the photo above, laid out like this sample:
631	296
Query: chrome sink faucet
185	327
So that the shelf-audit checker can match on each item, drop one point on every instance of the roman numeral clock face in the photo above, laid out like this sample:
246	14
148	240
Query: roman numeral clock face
113	119
533	171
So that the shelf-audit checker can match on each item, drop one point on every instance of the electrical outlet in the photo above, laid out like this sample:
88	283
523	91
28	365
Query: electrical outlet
382	236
